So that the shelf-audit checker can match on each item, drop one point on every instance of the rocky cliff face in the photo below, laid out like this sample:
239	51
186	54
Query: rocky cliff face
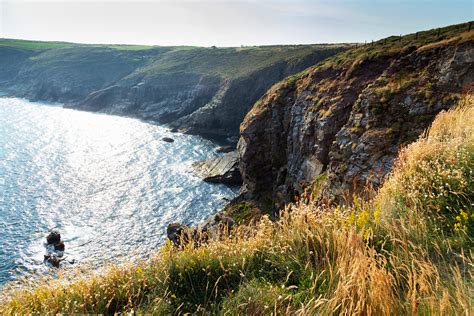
235	97
206	103
339	125
200	90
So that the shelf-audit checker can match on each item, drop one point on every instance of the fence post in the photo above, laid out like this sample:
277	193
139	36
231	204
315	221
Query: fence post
470	23
416	35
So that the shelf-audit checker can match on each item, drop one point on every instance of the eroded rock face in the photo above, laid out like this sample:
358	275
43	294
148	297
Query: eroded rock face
223	114
347	122
223	169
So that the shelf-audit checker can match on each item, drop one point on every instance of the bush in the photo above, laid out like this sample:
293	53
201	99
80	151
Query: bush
432	183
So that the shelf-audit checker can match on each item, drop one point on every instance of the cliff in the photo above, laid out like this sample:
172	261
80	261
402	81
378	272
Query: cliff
204	91
337	127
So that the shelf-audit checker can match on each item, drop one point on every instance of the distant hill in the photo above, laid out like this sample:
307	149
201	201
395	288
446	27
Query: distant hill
202	90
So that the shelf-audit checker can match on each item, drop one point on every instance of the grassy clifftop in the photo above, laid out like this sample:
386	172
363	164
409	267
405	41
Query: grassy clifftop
230	62
224	61
32	45
406	251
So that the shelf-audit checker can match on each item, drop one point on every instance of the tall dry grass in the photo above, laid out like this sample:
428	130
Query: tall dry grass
408	251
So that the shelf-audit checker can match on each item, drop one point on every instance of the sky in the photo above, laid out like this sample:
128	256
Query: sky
225	22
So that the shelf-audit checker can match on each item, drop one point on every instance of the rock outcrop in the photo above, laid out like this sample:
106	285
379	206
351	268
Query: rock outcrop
179	234
55	249
338	126
216	227
223	169
225	149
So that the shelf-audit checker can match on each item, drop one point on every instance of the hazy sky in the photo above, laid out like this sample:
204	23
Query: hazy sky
225	23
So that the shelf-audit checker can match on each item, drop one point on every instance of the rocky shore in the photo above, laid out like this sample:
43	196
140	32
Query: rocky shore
223	169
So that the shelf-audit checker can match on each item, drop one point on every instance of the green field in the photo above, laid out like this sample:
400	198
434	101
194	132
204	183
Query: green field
226	61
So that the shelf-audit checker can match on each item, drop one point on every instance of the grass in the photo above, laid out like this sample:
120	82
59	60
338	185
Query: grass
394	45
233	62
406	251
243	212
43	45
435	177
33	45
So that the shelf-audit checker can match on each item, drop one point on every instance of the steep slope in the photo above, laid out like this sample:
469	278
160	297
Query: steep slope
14	53
338	126
202	90
70	74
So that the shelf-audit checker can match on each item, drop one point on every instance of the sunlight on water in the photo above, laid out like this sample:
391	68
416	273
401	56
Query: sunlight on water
109	184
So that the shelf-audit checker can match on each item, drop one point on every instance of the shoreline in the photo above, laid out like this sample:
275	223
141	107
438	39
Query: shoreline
183	142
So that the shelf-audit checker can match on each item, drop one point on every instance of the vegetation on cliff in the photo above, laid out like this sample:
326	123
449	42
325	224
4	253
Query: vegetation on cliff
344	119
406	251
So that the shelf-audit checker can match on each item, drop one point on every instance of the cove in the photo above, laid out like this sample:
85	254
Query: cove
109	184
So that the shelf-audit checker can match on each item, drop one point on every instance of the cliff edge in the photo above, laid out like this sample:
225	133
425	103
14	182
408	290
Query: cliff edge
337	127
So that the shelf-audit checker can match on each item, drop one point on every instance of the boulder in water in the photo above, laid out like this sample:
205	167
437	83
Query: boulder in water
59	246
53	259
167	139
55	250
54	237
